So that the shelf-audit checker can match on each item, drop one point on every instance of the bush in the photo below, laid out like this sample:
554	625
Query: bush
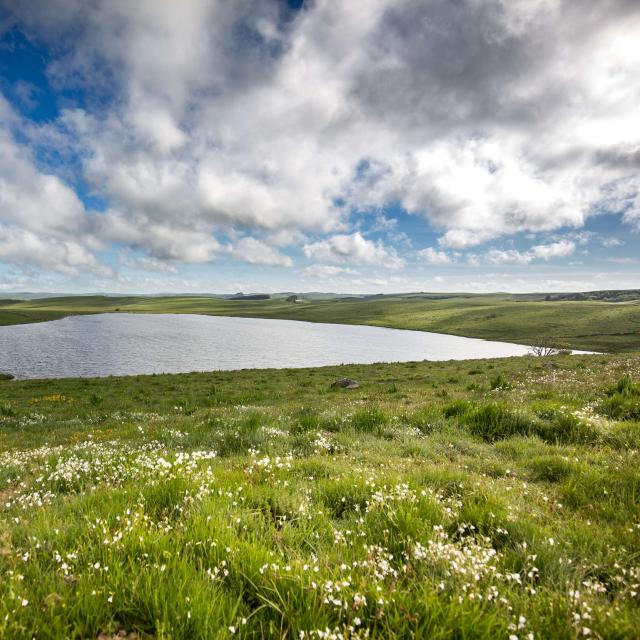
5	376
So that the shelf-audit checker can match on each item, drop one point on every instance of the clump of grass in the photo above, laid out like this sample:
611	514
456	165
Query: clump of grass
625	387
623	401
187	407
244	435
425	419
500	382
494	422
305	420
96	399
369	420
549	468
456	408
564	428
7	410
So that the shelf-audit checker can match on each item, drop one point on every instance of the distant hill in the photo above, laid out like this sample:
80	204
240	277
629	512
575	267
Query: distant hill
610	295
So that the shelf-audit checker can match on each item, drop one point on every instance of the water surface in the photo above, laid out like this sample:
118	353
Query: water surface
128	344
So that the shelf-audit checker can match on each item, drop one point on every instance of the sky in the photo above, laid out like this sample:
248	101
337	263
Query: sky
371	146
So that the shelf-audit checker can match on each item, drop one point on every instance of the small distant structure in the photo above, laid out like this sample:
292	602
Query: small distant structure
294	299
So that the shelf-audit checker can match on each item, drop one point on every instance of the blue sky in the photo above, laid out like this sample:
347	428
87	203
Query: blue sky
375	146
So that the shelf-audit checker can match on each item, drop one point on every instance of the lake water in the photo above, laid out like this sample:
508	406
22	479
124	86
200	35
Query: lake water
127	344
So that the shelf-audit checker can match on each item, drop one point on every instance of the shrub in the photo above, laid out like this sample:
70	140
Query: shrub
5	376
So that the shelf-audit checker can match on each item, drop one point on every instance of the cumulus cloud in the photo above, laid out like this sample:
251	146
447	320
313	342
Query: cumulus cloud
33	199
354	248
553	250
484	118
29	250
324	271
254	251
507	256
433	256
545	252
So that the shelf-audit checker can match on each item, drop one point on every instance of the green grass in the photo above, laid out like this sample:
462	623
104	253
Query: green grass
267	504
590	325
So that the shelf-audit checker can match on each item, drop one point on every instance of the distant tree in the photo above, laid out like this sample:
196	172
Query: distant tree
545	347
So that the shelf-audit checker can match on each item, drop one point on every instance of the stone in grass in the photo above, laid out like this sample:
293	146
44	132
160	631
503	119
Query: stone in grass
345	383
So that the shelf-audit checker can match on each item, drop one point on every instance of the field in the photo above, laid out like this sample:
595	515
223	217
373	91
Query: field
590	325
477	499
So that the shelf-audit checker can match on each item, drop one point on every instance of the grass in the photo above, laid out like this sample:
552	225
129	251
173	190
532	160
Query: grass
267	504
592	325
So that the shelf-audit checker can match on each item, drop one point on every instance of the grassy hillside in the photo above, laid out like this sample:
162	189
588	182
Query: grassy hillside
589	325
477	499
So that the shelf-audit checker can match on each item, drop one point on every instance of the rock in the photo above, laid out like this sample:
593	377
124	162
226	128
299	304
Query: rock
345	383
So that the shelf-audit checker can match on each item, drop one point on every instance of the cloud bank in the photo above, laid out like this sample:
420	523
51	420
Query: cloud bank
211	130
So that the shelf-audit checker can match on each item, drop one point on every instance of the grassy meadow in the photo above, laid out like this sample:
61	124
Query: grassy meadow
589	325
471	499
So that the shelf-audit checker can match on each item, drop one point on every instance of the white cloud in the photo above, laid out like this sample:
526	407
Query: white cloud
554	250
326	271
28	250
146	263
31	198
486	118
507	256
432	256
545	252
254	251
354	248
164	241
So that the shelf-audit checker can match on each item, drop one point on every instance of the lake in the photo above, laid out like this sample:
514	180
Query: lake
129	344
